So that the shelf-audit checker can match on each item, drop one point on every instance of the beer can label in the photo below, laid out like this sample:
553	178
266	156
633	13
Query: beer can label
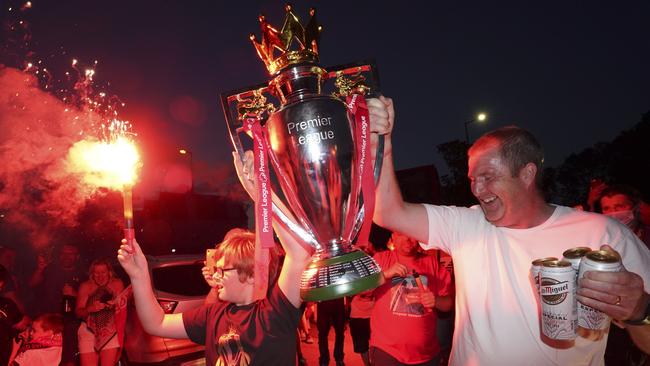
588	317
536	267
558	294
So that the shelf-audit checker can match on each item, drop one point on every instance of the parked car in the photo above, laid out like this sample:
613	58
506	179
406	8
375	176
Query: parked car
178	286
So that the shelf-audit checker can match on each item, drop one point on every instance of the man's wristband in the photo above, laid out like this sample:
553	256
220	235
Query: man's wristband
645	320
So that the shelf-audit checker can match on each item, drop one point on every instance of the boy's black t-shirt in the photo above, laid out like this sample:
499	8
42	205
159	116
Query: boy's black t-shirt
261	333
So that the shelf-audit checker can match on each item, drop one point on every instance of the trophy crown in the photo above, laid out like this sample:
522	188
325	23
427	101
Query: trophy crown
306	42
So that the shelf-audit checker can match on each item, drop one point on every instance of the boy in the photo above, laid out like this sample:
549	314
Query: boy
43	343
237	329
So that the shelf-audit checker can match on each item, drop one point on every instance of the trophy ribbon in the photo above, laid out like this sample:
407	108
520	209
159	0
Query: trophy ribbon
358	108
263	218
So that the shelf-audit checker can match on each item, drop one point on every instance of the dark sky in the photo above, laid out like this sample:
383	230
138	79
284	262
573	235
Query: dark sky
571	72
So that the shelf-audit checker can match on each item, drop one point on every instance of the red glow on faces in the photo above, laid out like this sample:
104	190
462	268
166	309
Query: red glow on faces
616	202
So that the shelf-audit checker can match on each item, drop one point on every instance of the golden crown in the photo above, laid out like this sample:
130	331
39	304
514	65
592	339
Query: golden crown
272	40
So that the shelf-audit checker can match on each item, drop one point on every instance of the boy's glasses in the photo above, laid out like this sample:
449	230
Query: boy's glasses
218	271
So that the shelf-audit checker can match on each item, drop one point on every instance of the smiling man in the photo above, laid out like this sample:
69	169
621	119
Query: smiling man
493	244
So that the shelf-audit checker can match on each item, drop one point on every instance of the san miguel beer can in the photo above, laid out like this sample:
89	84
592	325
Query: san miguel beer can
592	323
558	299
536	267
574	255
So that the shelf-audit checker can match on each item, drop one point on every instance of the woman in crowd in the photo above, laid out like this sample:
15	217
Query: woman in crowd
98	342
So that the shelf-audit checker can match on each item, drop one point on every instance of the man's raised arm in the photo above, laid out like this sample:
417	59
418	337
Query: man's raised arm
391	212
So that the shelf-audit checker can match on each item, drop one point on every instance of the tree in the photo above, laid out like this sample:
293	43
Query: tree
624	160
455	186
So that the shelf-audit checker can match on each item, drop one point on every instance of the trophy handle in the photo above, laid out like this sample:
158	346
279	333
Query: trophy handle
235	128
379	158
367	87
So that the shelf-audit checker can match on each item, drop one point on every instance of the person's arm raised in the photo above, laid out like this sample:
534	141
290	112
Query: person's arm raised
391	212
153	318
297	256
296	260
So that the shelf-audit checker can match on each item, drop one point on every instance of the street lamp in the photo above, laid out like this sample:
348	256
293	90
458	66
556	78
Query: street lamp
189	154
479	118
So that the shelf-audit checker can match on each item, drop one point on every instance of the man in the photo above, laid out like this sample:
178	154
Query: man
622	203
58	280
330	314
360	310
57	284
237	330
414	285
493	244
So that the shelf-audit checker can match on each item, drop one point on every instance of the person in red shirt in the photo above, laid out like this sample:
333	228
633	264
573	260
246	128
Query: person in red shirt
414	285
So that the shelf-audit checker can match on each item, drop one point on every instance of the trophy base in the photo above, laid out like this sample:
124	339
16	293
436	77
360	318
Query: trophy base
344	275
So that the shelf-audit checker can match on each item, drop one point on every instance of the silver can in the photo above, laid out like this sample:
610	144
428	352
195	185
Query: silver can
574	255
536	267
558	300
594	324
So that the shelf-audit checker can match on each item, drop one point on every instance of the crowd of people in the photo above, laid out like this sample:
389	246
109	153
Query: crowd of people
491	244
71	305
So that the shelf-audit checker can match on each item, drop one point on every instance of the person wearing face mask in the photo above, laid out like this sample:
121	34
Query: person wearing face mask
621	202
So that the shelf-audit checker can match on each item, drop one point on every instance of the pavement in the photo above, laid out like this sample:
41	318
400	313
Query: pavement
310	351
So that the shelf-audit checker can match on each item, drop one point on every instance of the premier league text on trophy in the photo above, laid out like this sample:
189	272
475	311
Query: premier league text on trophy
264	185
364	134
308	125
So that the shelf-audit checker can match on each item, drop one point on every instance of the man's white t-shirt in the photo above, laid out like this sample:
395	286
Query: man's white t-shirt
496	310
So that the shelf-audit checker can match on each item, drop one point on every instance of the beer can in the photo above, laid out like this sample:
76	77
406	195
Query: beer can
594	324
574	255
558	295
535	267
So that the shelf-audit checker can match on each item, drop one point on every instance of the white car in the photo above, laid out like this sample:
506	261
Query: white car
179	286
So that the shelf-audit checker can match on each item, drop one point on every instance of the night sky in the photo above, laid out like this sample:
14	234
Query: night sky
573	73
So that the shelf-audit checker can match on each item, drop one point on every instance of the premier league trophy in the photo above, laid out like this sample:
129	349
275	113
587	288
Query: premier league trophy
318	145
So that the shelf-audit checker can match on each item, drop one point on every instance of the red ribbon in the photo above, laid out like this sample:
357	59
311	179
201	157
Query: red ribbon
358	107
129	235
263	208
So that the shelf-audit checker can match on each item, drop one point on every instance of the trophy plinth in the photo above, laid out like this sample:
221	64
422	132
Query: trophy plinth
339	276
314	145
